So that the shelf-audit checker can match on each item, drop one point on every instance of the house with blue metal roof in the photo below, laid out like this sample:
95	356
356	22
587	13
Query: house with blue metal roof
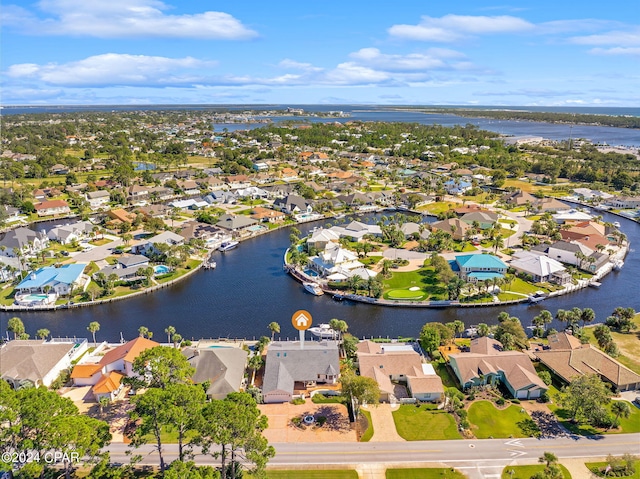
59	280
479	267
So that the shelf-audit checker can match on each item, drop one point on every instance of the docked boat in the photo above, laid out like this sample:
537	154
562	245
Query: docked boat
313	288
471	332
537	297
227	245
618	264
323	331
595	284
616	224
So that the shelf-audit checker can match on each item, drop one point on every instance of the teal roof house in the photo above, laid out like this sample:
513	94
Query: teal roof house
480	267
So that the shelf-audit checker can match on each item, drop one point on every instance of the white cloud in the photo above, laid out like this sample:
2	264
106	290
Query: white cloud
432	59
616	38
455	27
288	63
615	51
112	69
125	19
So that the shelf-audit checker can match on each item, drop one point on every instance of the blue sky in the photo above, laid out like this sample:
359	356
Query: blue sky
349	52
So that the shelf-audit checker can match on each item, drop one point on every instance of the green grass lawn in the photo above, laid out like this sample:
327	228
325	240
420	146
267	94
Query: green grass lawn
598	466
424	278
424	423
448	379
320	474
405	294
520	286
424	473
525	472
488	421
508	296
627	425
368	434
437	207
6	295
628	344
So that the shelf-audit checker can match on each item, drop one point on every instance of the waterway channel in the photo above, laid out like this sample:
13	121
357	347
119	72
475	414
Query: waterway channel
249	289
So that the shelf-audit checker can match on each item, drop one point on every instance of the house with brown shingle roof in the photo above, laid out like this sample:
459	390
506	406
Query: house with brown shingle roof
569	358
487	363
393	363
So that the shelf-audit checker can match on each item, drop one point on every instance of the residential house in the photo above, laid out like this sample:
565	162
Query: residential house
154	211
27	241
68	233
223	368
59	280
457	186
189	187
251	192
289	175
550	204
121	216
212	183
237	181
541	268
117	363
138	193
568	358
624	202
127	268
267	215
454	226
168	238
356	230
59	169
34	362
290	367
52	207
321	237
487	363
486	219
577	254
394	363
411	229
293	205
211	235
335	262
161	193
236	224
519	198
571	216
98	199
479	267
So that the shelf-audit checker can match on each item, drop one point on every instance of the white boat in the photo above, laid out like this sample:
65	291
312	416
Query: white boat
616	224
227	245
537	297
595	284
471	332
323	331
313	288
210	265
618	264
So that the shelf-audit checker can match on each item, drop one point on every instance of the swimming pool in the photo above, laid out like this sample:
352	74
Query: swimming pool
310	272
35	297
161	269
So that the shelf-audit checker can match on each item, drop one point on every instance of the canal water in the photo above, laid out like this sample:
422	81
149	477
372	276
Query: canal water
249	289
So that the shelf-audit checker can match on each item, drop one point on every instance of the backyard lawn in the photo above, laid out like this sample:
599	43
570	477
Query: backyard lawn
422	423
628	344
488	421
520	286
423	278
424	473
525	472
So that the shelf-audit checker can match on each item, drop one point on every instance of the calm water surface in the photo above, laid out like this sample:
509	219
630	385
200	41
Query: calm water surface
249	289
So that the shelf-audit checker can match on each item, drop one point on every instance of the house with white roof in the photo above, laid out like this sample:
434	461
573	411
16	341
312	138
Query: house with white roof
356	230
541	268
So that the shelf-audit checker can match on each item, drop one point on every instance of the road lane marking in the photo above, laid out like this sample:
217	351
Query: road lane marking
514	443
342	453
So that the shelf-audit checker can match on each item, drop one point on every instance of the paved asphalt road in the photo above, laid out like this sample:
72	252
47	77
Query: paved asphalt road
463	453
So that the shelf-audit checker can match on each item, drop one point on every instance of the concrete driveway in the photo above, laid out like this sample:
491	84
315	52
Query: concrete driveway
384	428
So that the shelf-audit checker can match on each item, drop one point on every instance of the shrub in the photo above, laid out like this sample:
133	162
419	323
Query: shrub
297	421
545	397
500	401
321	420
298	401
515	401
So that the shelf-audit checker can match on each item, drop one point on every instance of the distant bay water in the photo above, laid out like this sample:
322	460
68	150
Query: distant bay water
558	132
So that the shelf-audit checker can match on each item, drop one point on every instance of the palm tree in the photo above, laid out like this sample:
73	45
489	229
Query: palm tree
43	333
458	327
620	409
176	338
354	282
170	330
548	458
498	243
144	332
255	363
587	315
16	326
274	328
93	328
483	329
